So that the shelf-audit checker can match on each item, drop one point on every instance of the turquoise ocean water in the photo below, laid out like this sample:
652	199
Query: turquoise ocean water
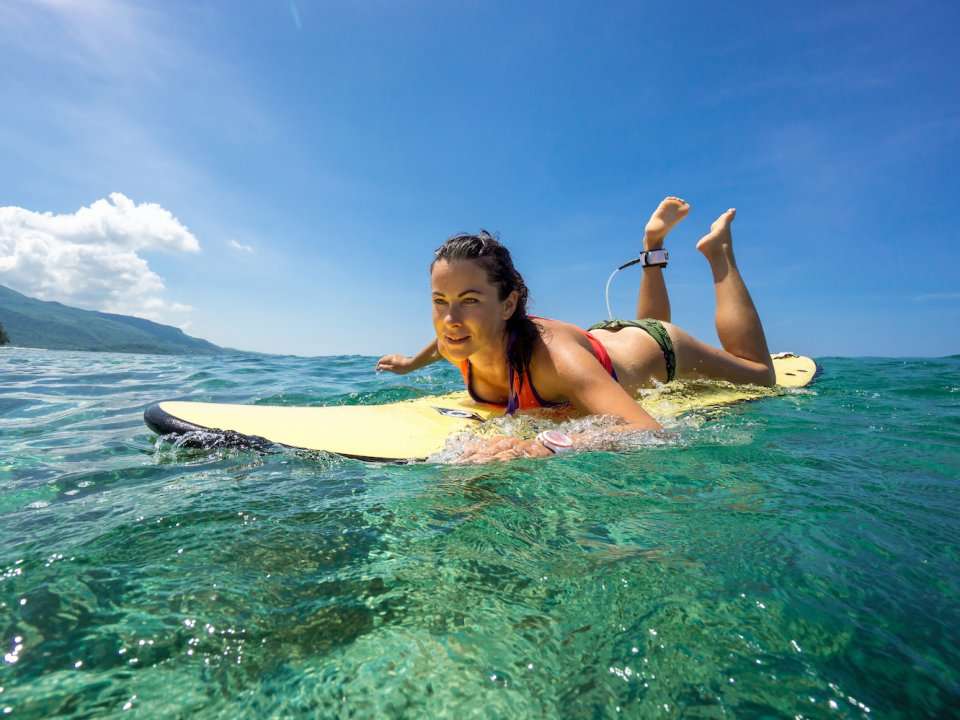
798	556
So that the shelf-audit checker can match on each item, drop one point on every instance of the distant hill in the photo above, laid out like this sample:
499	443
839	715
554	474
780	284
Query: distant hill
37	323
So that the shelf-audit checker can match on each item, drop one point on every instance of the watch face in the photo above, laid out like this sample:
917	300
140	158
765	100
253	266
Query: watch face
555	437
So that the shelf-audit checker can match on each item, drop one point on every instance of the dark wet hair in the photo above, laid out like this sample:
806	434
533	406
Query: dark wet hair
495	259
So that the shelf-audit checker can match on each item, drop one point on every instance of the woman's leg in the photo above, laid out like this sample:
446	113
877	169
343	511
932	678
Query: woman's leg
745	357
653	301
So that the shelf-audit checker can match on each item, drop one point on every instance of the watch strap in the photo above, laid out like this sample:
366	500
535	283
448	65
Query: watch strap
654	258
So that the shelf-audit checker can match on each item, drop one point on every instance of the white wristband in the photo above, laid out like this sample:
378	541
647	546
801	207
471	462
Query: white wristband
556	441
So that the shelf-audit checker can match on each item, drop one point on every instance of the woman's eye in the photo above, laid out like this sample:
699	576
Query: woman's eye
469	301
439	301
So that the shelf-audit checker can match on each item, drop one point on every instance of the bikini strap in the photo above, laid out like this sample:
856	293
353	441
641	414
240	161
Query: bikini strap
516	382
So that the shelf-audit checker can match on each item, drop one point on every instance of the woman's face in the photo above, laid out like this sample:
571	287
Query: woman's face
468	315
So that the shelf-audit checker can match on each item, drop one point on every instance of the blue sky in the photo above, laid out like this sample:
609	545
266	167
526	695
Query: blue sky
301	160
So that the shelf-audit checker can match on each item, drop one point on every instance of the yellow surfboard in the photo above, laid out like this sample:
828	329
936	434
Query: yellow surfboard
415	429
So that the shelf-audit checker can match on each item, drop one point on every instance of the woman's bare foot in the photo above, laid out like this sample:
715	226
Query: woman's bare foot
668	213
719	238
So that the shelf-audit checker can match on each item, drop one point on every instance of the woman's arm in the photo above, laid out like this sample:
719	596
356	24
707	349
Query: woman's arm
592	391
401	364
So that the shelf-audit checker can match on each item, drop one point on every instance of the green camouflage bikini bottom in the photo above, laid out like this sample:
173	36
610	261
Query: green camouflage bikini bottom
655	329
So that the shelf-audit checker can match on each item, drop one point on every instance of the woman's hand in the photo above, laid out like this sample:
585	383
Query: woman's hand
399	364
501	448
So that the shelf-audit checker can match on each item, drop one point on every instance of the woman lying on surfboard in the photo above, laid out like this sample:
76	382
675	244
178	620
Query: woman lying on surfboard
523	362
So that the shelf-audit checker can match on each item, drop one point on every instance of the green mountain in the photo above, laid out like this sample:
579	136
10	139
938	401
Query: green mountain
36	323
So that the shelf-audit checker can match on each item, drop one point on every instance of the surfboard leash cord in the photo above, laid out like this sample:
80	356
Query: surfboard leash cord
648	258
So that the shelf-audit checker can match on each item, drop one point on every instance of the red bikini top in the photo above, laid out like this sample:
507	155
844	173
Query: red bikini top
528	398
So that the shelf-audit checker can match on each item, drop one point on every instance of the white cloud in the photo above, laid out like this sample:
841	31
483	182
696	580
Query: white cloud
91	258
240	247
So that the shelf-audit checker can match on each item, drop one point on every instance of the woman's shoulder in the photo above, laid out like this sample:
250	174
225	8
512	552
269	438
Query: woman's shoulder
558	339
553	327
560	360
558	330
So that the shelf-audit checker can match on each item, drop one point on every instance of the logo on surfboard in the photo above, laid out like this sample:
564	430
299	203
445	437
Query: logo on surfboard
457	413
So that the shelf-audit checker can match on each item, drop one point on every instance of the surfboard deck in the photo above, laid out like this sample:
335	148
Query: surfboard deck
415	429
